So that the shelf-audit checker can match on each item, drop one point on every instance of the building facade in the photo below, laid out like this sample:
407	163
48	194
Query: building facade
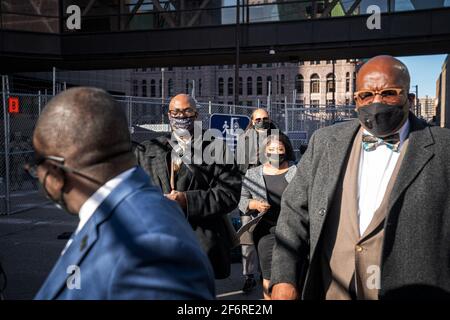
311	83
443	96
427	108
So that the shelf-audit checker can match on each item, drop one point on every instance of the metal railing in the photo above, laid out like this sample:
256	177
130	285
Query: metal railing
147	119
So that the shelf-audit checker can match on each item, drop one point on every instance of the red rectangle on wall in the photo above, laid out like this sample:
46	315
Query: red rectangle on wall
13	105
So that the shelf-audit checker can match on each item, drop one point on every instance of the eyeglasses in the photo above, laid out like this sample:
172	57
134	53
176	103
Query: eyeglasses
189	112
261	119
32	167
388	95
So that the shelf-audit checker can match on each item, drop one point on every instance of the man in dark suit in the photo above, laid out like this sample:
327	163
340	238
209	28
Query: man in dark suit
206	191
368	214
131	242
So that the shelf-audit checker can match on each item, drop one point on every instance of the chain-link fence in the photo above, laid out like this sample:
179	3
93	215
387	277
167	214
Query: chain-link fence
147	119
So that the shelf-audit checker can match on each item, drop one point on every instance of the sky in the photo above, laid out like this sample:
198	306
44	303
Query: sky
424	71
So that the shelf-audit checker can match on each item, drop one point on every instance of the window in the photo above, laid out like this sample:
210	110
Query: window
314	103
259	90
160	88
329	61
249	103
144	88
188	86
152	88
220	67
278	84
347	82
330	82
135	88
230	86
170	88
199	89
301	63
299	83
220	87
282	83
315	83
259	65
330	103
249	86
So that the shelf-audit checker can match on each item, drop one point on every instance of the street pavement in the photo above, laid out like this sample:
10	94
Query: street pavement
29	247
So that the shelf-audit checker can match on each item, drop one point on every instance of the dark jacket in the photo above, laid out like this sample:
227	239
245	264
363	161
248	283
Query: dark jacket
416	248
212	191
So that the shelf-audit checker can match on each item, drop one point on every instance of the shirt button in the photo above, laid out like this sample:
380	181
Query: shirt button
359	248
322	212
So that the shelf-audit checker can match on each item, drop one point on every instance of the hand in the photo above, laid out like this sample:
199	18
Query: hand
284	291
260	206
179	197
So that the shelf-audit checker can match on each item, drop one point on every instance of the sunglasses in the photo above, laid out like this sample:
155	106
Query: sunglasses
261	119
189	112
388	96
32	167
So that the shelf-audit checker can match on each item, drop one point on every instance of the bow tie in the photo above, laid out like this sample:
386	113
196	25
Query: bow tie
370	143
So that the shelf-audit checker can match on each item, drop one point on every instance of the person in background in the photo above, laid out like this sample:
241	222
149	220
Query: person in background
131	241
205	192
261	193
258	129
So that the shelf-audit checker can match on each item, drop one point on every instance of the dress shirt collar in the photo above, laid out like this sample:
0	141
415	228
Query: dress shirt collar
92	204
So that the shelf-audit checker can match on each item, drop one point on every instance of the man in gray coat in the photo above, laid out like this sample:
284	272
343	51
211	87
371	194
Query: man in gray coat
367	215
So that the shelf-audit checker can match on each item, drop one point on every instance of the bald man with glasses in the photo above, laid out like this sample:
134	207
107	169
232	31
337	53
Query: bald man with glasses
367	215
131	241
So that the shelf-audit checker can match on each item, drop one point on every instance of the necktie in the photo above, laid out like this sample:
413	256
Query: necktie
371	143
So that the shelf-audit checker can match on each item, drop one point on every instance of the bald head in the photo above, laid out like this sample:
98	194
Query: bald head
383	72
83	125
182	101
260	114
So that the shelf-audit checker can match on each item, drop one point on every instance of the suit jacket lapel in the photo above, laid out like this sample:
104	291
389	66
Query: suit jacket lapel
339	147
416	157
87	236
57	280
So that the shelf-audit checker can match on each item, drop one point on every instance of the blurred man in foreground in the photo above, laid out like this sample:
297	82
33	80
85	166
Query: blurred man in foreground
131	242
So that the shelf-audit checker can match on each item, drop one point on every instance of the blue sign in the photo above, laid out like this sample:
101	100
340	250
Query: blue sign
298	135
231	126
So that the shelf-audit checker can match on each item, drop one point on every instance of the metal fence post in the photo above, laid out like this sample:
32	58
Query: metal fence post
209	107
286	123
130	113
6	129
39	102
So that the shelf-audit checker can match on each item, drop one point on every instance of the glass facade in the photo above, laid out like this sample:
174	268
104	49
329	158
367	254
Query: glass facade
122	15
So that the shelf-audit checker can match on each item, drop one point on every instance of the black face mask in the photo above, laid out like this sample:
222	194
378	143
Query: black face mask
276	159
382	119
262	125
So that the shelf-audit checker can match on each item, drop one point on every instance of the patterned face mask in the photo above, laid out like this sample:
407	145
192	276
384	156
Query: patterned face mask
182	123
